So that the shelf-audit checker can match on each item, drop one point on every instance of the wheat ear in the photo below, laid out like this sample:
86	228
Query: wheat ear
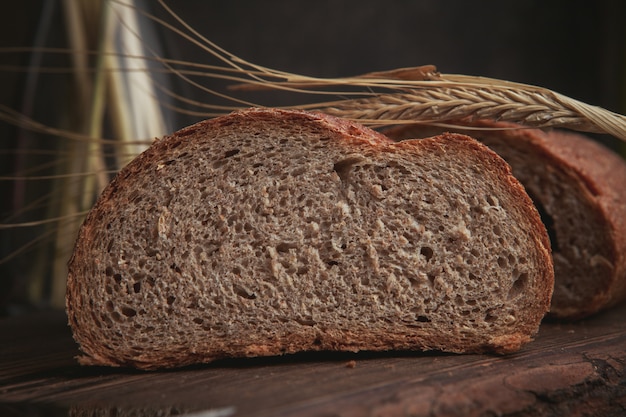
459	97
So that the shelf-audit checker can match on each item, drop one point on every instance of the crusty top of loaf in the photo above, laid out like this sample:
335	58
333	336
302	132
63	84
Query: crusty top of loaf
270	231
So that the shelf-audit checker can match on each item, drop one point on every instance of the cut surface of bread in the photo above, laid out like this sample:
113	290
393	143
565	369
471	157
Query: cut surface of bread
267	232
579	187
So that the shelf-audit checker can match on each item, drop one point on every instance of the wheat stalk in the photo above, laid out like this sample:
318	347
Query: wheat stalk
444	102
111	86
422	95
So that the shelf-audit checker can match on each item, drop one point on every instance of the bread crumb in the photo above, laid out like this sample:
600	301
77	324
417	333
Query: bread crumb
351	364
377	191
461	231
344	208
163	224
373	257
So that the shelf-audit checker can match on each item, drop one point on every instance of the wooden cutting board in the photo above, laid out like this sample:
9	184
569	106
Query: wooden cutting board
571	369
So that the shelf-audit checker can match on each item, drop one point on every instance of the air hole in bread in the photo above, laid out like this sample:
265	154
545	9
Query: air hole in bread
427	253
502	262
431	279
129	312
243	292
170	300
306	321
106	320
117	278
230	153
137	287
423	319
493	201
168	162
343	167
285	246
415	282
490	316
519	284
219	163
96	320
298	171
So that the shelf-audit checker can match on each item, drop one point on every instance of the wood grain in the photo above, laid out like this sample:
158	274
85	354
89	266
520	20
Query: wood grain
572	369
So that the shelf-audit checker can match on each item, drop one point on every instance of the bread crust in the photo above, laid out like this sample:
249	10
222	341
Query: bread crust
598	177
104	330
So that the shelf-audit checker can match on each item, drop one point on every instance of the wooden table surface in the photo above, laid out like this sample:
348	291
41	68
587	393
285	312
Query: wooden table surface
572	369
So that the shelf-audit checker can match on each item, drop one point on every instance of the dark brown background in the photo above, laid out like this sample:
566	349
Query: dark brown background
574	47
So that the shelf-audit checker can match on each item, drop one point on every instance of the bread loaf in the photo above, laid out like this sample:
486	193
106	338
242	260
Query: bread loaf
579	187
267	232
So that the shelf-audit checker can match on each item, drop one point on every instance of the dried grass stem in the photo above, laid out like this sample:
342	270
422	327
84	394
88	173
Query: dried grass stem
440	103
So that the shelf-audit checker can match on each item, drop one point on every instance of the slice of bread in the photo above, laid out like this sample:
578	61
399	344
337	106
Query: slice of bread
579	187
268	232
